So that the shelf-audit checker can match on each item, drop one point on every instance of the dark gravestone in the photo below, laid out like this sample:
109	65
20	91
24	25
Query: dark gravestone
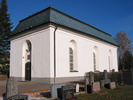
91	77
107	81
11	87
113	70
107	86
54	90
89	88
111	85
66	92
46	94
86	80
18	97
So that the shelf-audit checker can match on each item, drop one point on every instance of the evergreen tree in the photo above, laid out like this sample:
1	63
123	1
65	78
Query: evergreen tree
5	31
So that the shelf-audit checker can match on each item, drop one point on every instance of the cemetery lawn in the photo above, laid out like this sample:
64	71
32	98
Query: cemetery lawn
120	93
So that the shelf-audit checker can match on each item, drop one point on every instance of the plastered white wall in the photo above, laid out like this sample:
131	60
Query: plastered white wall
85	48
40	60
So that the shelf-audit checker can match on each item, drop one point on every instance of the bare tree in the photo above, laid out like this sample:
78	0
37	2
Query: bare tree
124	47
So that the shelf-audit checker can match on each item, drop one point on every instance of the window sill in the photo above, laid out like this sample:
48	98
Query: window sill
73	71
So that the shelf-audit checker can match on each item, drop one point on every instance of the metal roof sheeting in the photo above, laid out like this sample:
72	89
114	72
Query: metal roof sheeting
57	17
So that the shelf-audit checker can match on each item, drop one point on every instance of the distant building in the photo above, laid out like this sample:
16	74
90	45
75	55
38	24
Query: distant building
53	47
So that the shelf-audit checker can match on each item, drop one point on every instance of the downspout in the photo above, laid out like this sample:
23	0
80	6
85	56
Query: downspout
55	54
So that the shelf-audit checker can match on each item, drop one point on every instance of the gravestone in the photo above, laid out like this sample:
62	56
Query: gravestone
102	82
66	92
86	80
89	88
112	85
113	70
91	77
95	87
54	90
113	76
107	86
11	87
77	87
18	97
107	81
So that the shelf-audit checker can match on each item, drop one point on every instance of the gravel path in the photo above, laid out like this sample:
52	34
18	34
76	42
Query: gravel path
26	87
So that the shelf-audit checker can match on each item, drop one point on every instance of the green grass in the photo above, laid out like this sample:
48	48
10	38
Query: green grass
120	93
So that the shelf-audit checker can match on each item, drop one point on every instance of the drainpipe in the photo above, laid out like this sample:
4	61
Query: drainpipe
55	54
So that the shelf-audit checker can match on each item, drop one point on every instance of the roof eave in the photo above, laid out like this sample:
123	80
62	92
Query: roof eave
83	33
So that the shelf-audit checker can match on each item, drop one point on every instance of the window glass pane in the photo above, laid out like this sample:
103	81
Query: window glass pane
70	50
71	66
109	62
94	61
71	58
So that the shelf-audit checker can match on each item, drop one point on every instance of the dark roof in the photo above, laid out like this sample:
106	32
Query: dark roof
54	16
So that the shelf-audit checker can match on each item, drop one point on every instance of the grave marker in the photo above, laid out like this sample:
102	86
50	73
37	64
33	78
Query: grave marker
54	90
96	87
107	81
11	87
86	80
18	97
77	87
66	92
89	88
102	82
112	85
91	77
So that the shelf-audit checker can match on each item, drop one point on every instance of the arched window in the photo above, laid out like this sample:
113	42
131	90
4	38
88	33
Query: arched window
73	56
28	51
95	58
109	63
110	60
94	61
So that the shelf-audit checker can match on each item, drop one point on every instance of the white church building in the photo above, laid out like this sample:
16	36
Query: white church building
53	47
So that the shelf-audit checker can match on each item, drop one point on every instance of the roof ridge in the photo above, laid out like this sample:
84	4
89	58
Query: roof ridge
81	21
50	7
53	15
35	14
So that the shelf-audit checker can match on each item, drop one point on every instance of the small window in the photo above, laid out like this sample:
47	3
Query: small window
94	61
110	60
109	63
73	56
71	59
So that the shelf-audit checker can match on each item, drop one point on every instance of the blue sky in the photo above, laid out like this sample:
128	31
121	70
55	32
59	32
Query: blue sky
110	16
